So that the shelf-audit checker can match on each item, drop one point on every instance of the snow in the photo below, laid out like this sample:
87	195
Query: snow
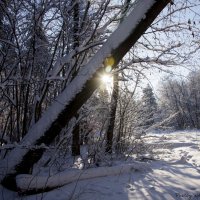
28	182
123	31
174	173
59	64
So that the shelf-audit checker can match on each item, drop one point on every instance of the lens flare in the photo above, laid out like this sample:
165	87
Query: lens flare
109	61
108	69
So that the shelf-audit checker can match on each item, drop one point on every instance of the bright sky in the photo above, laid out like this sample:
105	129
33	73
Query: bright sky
186	38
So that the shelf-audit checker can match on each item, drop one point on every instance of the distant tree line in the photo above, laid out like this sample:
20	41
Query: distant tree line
182	97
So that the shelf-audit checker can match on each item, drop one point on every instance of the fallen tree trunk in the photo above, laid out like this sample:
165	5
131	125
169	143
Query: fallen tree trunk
66	105
28	184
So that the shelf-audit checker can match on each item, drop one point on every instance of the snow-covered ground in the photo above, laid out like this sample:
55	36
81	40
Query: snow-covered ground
173	174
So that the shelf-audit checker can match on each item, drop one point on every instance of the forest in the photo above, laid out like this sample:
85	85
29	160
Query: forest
75	90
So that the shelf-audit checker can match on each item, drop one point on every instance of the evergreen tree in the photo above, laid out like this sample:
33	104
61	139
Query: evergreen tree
148	108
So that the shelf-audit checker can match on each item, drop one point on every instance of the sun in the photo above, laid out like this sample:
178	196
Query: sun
107	79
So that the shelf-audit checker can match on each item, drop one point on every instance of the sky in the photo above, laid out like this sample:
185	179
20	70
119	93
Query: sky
180	71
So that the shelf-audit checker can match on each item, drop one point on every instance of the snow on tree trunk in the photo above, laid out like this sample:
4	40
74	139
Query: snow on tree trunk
21	160
36	184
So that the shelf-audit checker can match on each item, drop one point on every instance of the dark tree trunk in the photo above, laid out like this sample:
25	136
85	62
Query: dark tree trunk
76	25
114	98
111	125
75	133
76	139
